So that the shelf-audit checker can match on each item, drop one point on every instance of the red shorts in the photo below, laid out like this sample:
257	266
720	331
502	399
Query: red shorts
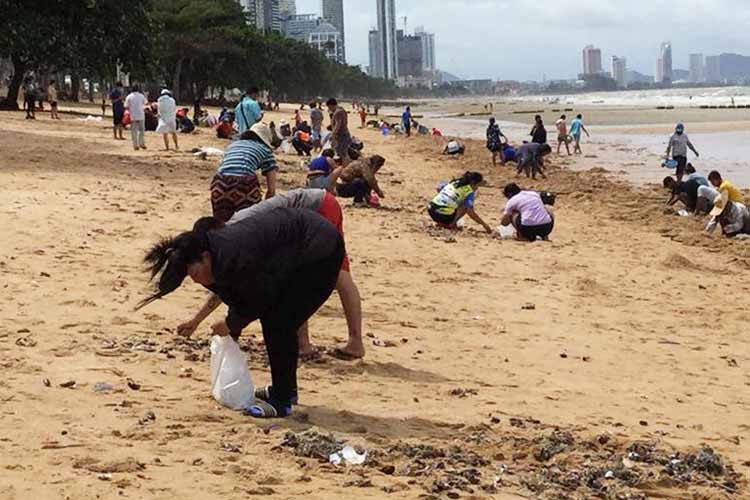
331	211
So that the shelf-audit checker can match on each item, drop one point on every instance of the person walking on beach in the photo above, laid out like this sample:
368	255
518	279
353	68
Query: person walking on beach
341	138
527	213
455	199
576	128
118	110
29	97
235	185
678	145
278	267
325	204
167	118
135	103
562	134
538	132
406	121
248	112
52	98
494	142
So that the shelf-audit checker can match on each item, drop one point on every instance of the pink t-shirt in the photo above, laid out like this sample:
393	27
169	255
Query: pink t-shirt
562	127
529	205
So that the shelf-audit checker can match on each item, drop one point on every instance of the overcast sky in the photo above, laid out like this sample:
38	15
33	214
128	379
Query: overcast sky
526	40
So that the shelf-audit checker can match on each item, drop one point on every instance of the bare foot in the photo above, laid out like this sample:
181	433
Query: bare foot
308	353
352	350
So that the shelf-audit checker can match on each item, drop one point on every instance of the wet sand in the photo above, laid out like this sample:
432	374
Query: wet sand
495	369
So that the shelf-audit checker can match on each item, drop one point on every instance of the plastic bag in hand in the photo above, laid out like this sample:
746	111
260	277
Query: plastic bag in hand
231	383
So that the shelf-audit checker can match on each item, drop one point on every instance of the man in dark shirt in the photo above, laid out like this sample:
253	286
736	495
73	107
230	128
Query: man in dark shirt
686	192
118	110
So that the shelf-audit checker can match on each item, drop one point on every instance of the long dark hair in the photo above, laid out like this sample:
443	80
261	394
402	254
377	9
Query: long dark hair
170	258
468	179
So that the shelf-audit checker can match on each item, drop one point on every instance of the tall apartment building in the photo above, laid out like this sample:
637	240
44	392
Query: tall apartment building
410	54
664	64
697	67
428	48
592	60
376	54
619	70
333	12
713	69
264	15
287	8
387	45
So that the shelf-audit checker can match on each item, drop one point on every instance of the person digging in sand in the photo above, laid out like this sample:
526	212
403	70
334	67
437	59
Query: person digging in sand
456	199
325	204
528	214
278	267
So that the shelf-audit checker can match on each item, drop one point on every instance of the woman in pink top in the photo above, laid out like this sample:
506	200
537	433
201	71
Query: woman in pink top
528	214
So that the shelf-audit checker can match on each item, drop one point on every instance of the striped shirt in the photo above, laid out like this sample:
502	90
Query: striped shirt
246	157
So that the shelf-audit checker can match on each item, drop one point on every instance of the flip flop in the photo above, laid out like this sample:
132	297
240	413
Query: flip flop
308	358
263	409
339	353
264	394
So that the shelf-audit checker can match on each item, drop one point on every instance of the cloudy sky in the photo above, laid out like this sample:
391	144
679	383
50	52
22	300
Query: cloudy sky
528	40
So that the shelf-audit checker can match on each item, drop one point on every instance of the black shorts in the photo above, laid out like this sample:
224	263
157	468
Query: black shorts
531	233
681	164
444	219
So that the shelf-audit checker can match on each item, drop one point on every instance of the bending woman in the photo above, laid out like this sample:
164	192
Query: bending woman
279	267
455	200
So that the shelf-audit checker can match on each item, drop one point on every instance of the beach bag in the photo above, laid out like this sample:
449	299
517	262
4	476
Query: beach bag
669	164
548	198
231	384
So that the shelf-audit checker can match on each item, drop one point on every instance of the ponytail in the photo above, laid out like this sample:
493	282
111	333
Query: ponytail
170	257
469	178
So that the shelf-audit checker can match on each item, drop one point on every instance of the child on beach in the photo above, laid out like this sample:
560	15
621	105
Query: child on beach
494	142
456	199
526	211
723	185
678	145
576	127
278	267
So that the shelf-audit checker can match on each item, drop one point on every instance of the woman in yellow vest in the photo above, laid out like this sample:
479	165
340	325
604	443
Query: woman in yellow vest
456	199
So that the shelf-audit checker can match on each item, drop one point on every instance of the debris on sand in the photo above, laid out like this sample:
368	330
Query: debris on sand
312	444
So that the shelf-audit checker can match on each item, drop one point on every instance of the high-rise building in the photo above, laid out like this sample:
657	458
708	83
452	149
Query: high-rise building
664	64
410	54
428	48
264	15
592	60
388	41
333	12
314	31
696	68
713	69
287	8
734	68
619	70
376	54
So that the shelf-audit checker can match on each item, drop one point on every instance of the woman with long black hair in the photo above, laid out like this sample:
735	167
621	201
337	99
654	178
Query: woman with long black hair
279	267
456	199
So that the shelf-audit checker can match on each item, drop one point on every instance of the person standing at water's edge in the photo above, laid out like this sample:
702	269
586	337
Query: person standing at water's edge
576	128
278	267
406	121
538	132
494	144
248	112
136	104
562	134
678	145
118	110
167	118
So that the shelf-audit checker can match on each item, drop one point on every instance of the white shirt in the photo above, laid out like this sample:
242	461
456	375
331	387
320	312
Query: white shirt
167	108
136	103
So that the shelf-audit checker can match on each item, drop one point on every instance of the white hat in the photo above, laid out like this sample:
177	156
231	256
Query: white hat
720	203
263	131
165	92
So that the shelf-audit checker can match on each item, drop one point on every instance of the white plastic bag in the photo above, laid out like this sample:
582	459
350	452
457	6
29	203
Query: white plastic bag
231	384
286	146
506	232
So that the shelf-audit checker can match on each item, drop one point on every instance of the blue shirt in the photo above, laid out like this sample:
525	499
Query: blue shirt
575	127
320	164
702	181
247	113
246	157
406	119
116	97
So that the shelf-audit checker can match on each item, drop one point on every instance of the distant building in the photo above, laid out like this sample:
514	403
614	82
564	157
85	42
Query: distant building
264	15
388	42
485	86
410	55
428	48
376	54
592	60
697	68
680	75
636	77
316	32
734	68
664	64
619	70
287	8
713	69
333	12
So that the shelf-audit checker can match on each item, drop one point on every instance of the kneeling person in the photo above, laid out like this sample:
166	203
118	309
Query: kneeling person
456	199
528	214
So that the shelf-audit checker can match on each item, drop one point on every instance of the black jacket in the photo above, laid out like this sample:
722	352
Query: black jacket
254	261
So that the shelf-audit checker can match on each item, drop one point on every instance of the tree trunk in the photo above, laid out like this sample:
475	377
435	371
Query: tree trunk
176	79
91	90
75	86
11	100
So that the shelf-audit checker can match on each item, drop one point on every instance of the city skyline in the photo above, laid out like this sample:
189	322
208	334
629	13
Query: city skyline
555	50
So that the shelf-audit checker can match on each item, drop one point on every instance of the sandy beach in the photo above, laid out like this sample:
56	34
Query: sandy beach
603	364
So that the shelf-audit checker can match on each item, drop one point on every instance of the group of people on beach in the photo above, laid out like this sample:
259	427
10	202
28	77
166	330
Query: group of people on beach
703	195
